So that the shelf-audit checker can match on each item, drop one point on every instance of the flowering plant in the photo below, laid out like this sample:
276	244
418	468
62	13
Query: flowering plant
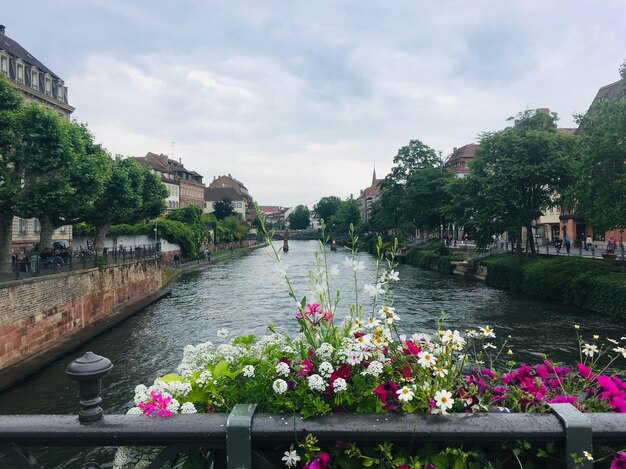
358	360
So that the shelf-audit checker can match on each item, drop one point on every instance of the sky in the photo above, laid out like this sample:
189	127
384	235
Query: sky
302	99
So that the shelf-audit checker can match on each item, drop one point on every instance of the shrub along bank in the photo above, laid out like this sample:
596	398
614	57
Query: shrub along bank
593	284
435	257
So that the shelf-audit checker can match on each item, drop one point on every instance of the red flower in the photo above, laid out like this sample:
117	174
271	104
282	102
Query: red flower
585	371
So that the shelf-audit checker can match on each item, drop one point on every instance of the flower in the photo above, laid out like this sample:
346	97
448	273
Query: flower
590	350
488	345
440	371
405	394
619	460
577	326
248	371
588	455
443	400
326	369
487	331
316	383
374	291
453	338
375	368
388	314
282	369
280	386
188	408
291	458
223	333
620	350
158	403
334	271
339	385
426	359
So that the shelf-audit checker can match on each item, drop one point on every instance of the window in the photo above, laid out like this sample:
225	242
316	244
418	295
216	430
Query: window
63	229
34	80
36	226
48	86
20	73
4	65
60	93
22	226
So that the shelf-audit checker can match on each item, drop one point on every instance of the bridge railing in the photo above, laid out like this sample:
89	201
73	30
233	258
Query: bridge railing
245	439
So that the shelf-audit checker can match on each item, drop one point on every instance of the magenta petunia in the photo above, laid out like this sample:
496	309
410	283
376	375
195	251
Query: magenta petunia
619	460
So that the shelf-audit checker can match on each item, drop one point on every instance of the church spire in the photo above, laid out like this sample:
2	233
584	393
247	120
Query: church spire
374	175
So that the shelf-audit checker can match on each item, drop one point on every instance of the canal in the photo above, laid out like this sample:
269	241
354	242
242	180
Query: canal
246	294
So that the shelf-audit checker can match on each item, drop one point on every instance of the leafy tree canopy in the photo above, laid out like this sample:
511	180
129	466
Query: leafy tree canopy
299	219
347	213
415	155
327	207
223	208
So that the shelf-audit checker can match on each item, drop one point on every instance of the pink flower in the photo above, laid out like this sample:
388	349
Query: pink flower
585	371
619	460
411	348
542	371
157	404
311	309
563	399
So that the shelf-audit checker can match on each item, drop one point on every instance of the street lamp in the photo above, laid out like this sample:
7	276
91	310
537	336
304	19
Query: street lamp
155	236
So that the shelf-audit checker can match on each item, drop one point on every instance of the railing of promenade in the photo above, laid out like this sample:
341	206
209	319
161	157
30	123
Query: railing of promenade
52	263
245	439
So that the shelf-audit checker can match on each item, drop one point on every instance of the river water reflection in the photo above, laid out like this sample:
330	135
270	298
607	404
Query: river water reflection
245	294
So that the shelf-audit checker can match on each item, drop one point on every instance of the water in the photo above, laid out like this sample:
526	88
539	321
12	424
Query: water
245	294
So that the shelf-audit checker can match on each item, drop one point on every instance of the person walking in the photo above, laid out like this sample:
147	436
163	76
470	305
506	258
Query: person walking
176	260
589	243
558	244
568	243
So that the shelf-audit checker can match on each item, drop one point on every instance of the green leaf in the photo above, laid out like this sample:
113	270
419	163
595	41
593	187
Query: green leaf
172	377
221	368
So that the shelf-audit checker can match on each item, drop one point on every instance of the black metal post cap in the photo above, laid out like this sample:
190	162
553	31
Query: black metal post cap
89	366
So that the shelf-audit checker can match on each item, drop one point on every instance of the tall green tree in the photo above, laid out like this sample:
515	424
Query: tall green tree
64	170
10	167
600	194
236	225
327	207
300	218
223	208
347	213
516	173
425	198
415	155
131	193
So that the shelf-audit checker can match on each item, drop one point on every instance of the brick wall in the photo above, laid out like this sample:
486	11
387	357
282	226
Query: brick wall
38	313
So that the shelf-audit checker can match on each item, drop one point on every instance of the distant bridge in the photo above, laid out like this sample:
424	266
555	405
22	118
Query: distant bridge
298	235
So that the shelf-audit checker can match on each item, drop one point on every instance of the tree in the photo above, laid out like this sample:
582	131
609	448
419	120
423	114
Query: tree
10	167
64	170
327	207
425	198
348	213
236	225
300	219
410	157
223	208
131	193
600	193
516	173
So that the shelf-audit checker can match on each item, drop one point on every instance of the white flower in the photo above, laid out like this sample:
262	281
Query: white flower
223	333
205	377
588	455
325	351
282	369
405	394
621	350
334	270
440	371
248	371
421	339
358	266
326	369
188	408
354	357
134	411
372	322
426	359
374	291
375	368
364	340
453	338
316	383
393	276
173	405
444	401
291	458
589	350
280	386
613	341
388	314
486	346
487	331
347	262
339	385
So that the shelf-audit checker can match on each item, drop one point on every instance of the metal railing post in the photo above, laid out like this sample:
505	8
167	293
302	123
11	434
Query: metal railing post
88	372
238	437
578	434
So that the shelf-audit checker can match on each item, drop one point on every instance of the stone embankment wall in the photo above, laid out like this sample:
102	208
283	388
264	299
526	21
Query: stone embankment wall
40	313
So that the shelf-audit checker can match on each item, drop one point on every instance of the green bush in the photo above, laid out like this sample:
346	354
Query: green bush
592	284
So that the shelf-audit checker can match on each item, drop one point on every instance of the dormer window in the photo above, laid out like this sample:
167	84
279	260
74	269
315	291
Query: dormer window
48	86
34	79
4	65
60	92
20	73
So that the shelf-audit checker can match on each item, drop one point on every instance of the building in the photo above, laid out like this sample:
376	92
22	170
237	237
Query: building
242	191
368	196
458	161
37	83
219	194
158	165
185	187
34	80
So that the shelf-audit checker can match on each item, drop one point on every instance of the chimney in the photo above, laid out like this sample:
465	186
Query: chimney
1	29
454	150
229	176
180	161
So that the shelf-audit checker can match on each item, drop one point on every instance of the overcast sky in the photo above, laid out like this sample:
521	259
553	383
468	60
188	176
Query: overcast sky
299	99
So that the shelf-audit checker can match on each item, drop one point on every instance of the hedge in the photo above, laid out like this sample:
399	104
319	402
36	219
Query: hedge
593	284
